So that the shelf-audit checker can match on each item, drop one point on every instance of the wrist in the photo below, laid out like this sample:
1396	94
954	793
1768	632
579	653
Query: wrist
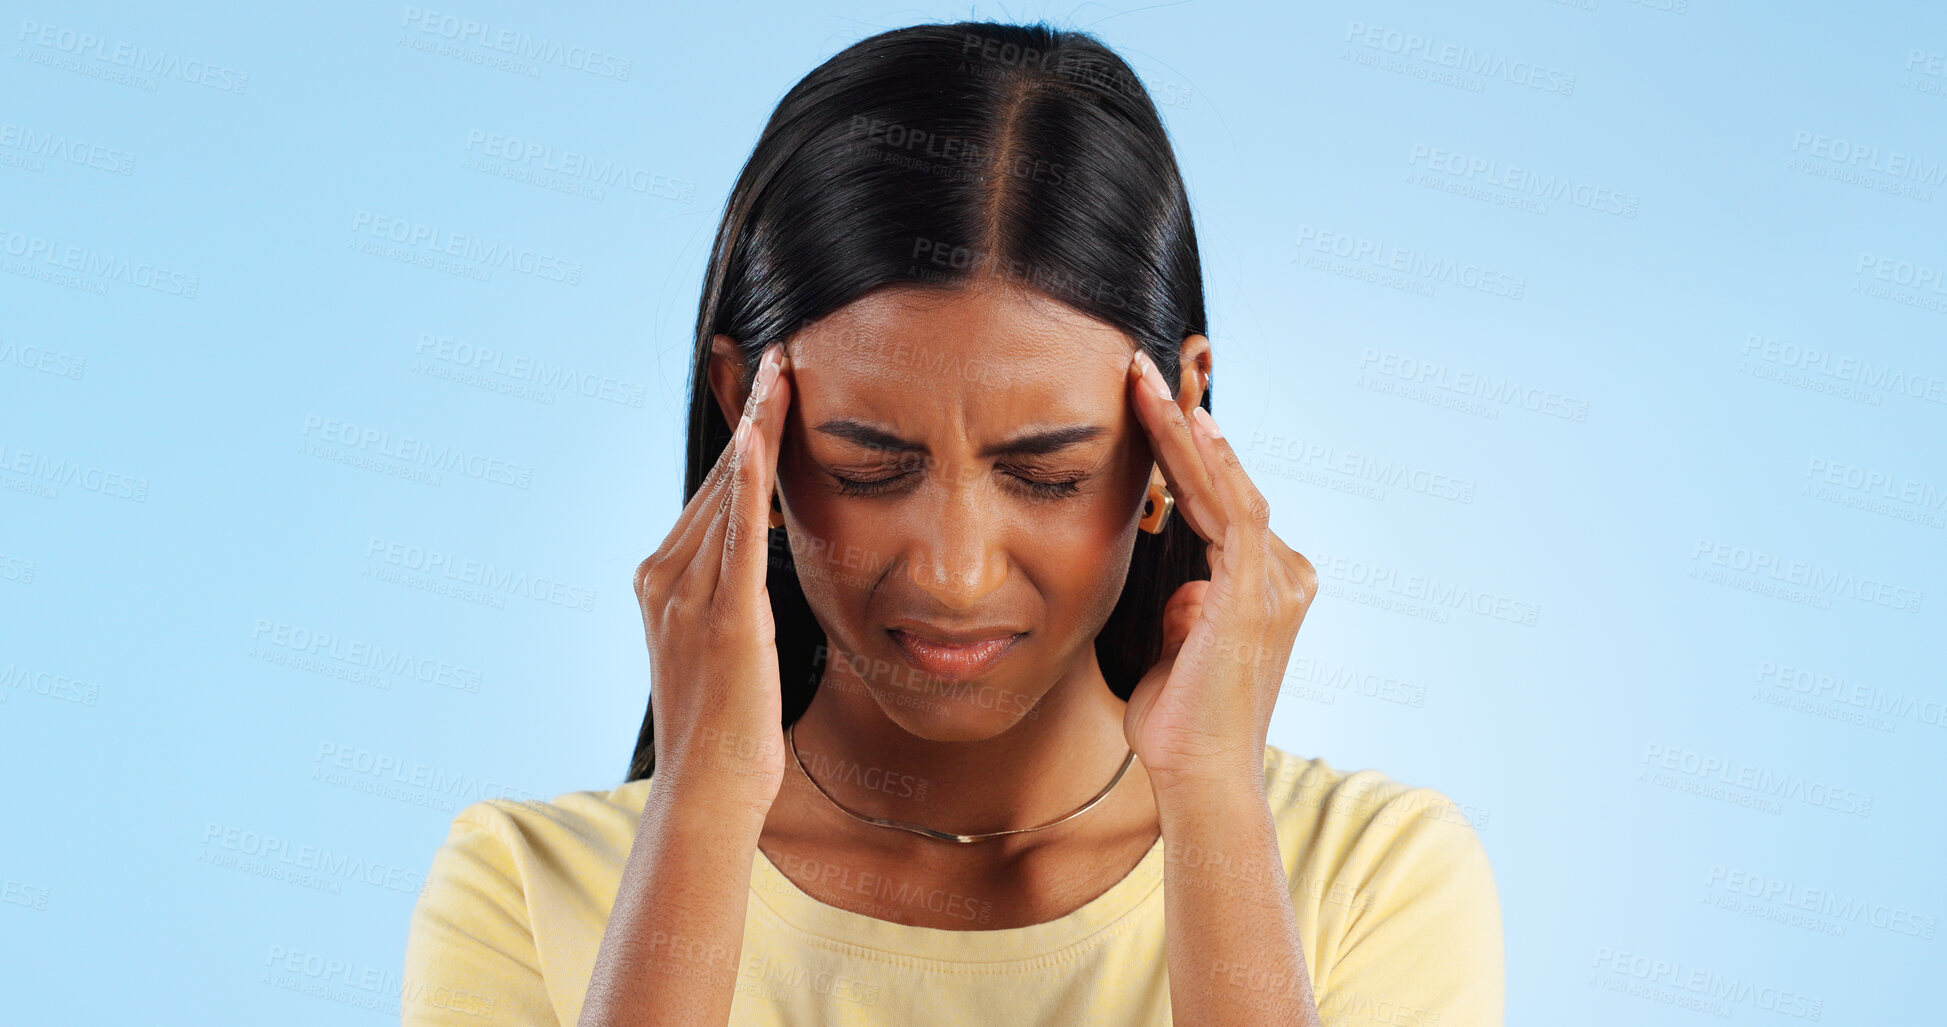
1227	779
1205	798
706	793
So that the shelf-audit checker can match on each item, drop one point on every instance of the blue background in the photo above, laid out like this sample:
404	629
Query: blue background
1592	351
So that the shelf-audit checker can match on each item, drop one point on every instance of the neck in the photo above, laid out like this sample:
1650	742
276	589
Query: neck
1039	769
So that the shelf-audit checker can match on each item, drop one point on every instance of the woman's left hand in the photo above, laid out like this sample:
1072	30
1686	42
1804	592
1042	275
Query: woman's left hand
1200	716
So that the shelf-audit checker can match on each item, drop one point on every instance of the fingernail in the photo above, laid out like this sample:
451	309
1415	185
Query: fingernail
1155	378
741	439
766	372
1209	425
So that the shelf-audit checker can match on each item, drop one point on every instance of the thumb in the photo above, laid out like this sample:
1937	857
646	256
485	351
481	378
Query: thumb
1180	615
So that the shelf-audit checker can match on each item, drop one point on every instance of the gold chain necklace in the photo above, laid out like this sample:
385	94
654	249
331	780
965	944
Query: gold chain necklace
949	836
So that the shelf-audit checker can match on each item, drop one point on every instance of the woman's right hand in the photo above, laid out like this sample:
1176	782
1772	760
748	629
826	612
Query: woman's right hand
714	690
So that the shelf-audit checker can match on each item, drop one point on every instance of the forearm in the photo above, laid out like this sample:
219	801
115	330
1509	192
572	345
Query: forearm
1235	957
671	948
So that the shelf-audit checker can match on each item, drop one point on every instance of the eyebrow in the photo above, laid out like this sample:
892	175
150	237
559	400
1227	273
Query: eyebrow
1037	443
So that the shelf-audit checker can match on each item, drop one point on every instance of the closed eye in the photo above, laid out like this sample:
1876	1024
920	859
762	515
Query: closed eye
863	487
1059	489
1051	489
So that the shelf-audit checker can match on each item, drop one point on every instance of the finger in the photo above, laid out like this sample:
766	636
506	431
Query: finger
707	564
704	506
747	556
706	561
1180	614
1176	452
1243	585
679	548
1249	513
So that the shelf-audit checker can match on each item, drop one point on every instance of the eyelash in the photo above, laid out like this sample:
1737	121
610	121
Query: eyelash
1039	489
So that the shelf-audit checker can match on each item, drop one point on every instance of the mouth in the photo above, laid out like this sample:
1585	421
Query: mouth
960	657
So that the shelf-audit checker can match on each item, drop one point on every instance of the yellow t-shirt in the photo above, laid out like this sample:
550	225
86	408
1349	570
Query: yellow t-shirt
1395	902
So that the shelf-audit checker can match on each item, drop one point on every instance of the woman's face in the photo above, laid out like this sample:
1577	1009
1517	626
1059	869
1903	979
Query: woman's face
956	467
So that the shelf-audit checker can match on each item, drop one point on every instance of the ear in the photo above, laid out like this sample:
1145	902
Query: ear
1193	372
729	378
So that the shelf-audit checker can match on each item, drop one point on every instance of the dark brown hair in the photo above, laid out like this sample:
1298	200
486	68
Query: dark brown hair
928	156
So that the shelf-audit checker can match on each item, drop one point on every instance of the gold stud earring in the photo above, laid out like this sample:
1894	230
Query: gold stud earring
777	512
1157	505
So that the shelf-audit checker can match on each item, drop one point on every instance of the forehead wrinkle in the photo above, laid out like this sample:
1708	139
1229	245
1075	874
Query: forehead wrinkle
966	417
1011	360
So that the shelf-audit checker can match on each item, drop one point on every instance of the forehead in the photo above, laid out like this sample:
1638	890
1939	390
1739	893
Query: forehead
988	351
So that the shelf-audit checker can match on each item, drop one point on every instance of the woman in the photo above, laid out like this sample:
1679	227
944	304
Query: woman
965	644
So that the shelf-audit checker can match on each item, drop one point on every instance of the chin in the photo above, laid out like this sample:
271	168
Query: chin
953	711
937	724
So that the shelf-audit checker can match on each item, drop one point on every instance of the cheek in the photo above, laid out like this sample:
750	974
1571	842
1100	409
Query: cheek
1086	528
1078	552
838	545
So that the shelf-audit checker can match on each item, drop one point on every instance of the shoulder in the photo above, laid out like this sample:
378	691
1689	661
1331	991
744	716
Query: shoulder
1394	895
503	859
1361	837
1314	793
511	891
516	893
571	825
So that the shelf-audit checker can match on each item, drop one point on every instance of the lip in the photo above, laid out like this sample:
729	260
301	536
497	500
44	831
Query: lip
960	656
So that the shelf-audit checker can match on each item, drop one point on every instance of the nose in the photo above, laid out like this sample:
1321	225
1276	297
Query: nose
957	555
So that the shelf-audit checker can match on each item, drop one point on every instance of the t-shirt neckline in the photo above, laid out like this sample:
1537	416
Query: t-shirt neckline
896	942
